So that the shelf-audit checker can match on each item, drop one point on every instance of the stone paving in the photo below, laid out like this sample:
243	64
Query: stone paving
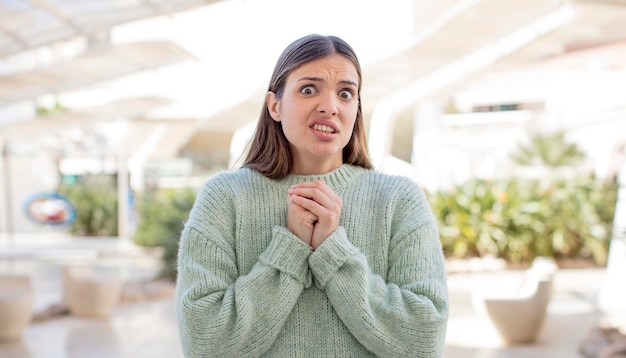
147	327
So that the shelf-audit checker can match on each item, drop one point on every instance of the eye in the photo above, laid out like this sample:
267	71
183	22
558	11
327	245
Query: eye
308	89
346	94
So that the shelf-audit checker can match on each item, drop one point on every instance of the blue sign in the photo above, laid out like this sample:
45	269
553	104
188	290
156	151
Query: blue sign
49	209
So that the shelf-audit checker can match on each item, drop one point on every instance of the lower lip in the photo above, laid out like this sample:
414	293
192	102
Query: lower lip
323	135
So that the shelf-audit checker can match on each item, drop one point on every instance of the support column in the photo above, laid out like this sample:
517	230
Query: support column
122	199
380	132
612	298
427	127
7	195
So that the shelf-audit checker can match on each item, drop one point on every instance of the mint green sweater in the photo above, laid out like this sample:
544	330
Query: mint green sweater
247	287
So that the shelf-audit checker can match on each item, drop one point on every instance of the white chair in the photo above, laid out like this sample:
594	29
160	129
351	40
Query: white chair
518	315
89	295
16	306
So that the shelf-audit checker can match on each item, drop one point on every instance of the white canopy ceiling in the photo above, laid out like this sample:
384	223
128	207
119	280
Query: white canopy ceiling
27	24
549	29
466	30
117	128
99	64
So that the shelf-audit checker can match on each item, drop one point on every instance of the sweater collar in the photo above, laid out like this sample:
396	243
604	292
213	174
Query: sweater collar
337	179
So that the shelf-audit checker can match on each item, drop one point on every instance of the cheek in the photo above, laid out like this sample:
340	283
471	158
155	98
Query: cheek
290	127
352	118
288	110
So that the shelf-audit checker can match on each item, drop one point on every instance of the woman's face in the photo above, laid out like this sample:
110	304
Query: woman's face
317	111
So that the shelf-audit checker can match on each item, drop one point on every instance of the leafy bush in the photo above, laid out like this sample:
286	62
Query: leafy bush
162	214
519	219
94	198
561	214
551	150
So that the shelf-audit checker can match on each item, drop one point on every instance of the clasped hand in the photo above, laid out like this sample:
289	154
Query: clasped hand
313	211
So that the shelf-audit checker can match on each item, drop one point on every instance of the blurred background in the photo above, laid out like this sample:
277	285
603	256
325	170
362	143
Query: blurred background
510	114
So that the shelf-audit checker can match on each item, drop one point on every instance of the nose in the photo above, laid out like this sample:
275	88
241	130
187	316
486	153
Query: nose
328	104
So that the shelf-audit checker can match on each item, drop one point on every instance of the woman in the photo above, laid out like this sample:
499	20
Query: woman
306	251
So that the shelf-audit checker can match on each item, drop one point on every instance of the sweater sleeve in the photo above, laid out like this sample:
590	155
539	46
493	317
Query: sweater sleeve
222	312
404	315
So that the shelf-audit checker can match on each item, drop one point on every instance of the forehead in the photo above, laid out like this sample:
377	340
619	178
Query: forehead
329	68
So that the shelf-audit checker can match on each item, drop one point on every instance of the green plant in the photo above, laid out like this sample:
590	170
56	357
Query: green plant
551	150
57	107
162	214
585	209
520	219
467	212
95	200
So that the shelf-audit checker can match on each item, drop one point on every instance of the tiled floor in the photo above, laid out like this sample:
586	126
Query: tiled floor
148	329
134	330
571	314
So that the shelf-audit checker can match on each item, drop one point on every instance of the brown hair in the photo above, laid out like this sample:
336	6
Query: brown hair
270	152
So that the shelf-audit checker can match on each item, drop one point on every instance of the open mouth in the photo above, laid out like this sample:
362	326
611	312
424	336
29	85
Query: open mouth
323	128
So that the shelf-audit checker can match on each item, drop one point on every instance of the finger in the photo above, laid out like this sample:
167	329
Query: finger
313	194
323	214
300	221
318	191
307	204
300	210
312	184
320	205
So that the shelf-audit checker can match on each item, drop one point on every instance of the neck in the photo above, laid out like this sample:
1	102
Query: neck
314	168
336	179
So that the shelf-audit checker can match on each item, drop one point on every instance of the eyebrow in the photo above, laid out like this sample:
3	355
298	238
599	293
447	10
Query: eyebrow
318	79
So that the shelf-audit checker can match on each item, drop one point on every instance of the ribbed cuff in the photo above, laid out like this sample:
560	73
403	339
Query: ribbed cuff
330	256
288	254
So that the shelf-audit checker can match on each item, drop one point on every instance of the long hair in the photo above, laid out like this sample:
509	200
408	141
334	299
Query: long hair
269	152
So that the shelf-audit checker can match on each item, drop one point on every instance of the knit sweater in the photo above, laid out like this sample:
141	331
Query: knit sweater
248	287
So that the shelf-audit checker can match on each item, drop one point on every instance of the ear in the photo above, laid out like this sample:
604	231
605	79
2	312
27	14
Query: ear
273	105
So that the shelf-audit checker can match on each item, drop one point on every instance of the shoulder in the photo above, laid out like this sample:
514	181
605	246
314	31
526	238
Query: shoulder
231	176
392	184
220	196
230	180
223	186
401	195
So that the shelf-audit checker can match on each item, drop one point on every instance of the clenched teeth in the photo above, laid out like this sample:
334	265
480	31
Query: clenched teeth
323	128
